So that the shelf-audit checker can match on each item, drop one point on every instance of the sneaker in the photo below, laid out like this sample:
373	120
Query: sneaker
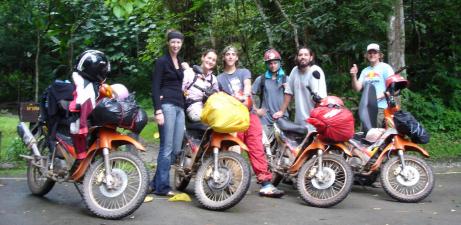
269	190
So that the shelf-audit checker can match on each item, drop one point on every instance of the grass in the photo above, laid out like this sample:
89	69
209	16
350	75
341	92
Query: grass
443	147
151	128
9	136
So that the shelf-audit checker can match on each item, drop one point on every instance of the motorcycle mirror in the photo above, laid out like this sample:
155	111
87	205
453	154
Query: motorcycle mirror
197	69
316	74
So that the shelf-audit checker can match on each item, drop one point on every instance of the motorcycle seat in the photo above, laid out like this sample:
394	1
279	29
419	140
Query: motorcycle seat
199	126
288	126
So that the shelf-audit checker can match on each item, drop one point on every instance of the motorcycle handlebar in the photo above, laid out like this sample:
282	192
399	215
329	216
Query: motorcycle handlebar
315	97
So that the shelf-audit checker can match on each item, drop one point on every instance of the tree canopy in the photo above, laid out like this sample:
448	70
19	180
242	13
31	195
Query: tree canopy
40	40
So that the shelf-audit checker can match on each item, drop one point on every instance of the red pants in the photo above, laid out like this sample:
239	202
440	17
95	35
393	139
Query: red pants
253	139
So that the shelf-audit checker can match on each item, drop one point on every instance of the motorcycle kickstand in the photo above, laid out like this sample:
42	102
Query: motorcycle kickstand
78	189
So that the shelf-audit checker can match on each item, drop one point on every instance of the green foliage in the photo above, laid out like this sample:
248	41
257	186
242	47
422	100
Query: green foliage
132	33
433	114
124	8
11	146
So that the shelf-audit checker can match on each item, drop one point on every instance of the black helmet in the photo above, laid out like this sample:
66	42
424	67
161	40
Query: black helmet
93	65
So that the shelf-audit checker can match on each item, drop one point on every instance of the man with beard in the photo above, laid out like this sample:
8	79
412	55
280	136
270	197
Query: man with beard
305	74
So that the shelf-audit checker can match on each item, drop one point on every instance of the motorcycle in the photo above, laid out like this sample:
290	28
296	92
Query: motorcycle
112	183
379	152
295	152
222	176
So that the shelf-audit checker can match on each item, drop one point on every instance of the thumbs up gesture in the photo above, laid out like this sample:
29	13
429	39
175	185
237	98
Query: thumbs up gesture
354	70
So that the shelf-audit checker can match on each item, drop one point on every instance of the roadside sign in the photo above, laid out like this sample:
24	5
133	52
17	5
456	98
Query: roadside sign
29	112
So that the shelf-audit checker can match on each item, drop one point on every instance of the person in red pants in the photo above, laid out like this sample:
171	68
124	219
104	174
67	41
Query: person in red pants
237	82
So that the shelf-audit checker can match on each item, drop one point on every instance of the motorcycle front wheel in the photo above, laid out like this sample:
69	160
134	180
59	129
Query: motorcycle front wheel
411	184
226	190
328	187
124	195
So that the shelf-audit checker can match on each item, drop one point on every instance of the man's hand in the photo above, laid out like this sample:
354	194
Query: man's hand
277	115
261	111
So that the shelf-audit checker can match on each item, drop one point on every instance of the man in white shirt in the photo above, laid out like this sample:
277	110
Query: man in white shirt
306	75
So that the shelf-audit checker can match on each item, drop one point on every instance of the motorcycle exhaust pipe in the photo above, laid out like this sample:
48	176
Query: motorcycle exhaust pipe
28	139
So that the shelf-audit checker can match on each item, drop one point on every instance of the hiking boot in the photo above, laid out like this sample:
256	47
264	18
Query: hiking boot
269	190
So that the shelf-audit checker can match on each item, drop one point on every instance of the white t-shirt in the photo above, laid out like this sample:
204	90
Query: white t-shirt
297	87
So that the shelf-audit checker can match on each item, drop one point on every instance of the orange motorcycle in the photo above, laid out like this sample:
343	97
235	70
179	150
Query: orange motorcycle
222	176
112	183
296	153
381	152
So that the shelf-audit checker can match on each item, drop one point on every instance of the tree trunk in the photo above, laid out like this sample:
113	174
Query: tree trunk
396	36
266	23
37	67
294	26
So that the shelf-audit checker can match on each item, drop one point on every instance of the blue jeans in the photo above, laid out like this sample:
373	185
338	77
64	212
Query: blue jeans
171	136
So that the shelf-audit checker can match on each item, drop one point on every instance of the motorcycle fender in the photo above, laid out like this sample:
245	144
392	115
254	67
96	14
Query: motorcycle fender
398	143
312	147
84	165
344	148
110	139
219	140
407	145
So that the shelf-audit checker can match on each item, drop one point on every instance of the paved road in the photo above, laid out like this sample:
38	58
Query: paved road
63	205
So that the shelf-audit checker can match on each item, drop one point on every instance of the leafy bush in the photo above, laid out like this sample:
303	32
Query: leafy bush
13	151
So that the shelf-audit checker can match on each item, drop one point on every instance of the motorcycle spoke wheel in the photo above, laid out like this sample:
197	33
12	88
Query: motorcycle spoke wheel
411	184
329	188
229	188
123	194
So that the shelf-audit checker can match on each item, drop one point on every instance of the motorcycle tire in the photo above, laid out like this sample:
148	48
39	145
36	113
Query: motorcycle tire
37	182
127	195
413	189
235	179
327	193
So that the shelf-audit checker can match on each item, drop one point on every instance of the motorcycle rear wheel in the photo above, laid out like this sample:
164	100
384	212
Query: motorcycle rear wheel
414	188
127	195
39	184
230	189
328	192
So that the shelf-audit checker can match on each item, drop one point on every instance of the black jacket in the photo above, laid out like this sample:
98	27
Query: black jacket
167	82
